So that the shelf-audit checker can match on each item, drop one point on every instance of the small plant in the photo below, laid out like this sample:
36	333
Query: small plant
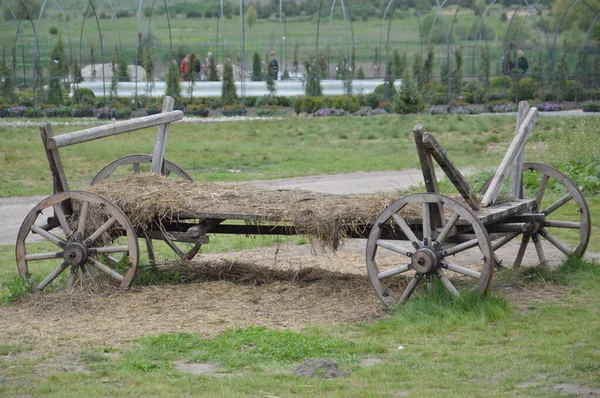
549	107
330	112
14	290
123	113
409	98
233	110
270	110
228	94
592	106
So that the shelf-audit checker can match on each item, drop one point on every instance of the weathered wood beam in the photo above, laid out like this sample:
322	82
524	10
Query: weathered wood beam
455	176
429	177
108	130
515	189
515	148
59	179
161	139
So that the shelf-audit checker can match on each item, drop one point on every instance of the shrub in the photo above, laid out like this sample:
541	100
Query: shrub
53	30
266	100
284	101
500	82
409	98
350	104
330	112
270	110
84	96
591	107
123	113
527	89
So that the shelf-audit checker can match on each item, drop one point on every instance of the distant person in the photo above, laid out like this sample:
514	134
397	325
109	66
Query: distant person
205	69
507	65
274	68
522	63
184	65
197	68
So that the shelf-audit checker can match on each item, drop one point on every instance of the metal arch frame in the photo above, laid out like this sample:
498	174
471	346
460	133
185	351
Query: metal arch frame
333	4
168	23
478	34
448	61
585	46
66	25
448	43
531	7
17	35
557	31
36	49
242	49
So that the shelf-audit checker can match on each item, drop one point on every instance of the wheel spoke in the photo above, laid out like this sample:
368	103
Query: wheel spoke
150	249
562	224
110	272
447	284
558	244
100	231
451	223
406	230
51	237
557	204
393	271
60	214
43	256
542	190
52	276
539	249
460	247
410	288
110	249
462	270
504	240
426	225
85	208
176	249
394	247
72	277
521	251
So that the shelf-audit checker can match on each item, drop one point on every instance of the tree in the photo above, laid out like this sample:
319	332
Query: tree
172	81
213	76
295	64
24	10
562	75
270	78
417	71
457	71
323	68
399	64
250	16
409	98
256	67
92	62
140	50
228	94
59	58
313	79
122	72
428	67
7	80
483	77
149	72
390	78
360	74
114	80
77	76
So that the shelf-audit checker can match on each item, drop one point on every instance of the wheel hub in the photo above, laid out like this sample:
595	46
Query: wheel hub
75	254
425	260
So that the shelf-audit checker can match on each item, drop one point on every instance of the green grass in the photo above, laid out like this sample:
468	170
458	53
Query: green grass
433	346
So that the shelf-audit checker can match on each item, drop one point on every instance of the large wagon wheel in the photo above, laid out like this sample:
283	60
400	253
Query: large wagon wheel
136	164
427	255
76	240
566	223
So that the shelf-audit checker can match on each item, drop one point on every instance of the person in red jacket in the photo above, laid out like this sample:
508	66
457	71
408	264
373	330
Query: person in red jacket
184	65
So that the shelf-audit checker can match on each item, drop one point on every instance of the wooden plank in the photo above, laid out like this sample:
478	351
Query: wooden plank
429	177
502	211
59	179
455	176
509	158
161	139
108	130
515	190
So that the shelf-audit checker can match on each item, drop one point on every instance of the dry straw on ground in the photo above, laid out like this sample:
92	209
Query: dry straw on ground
148	199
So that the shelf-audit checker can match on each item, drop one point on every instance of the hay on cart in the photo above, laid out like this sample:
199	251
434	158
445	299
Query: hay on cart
147	199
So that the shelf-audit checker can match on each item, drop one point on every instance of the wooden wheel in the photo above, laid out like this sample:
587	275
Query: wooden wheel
566	222
136	164
425	254
53	238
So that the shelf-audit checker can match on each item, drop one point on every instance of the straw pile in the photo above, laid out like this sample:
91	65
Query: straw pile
146	199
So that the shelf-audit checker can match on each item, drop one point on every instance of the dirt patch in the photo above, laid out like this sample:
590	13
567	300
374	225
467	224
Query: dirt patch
288	286
575	389
320	368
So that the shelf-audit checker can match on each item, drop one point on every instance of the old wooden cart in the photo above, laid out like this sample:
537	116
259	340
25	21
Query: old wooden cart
418	238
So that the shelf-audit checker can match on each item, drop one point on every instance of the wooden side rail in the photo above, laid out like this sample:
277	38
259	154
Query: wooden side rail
516	148
107	130
53	143
516	174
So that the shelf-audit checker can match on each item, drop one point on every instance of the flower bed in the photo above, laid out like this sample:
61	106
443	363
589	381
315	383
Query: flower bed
502	107
592	106
270	110
233	110
330	112
549	107
196	110
371	112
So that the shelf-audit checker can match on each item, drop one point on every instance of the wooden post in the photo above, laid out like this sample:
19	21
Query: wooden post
516	175
435	210
454	175
515	148
161	139
59	180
